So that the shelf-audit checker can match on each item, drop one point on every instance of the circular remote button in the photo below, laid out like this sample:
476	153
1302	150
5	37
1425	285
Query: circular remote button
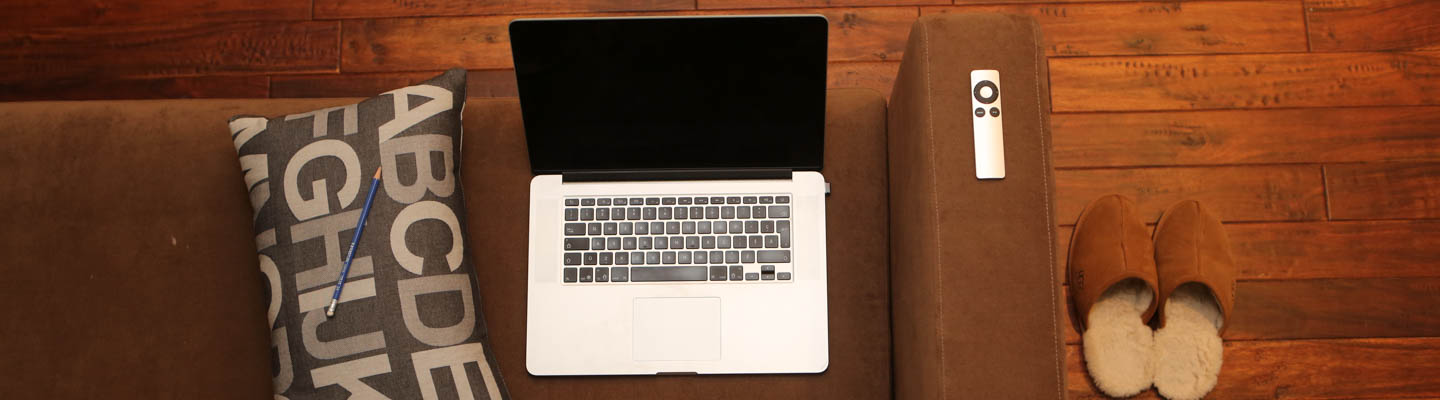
989	94
994	111
980	112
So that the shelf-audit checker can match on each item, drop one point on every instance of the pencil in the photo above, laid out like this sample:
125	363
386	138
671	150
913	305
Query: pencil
355	242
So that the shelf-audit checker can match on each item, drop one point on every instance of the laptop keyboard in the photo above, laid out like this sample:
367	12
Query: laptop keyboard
741	238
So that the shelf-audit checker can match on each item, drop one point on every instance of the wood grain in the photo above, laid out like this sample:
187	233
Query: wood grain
1244	81
1310	135
26	14
169	50
1383	190
1261	193
751	4
1092	29
407	44
1338	368
1364	25
145	88
338	9
478	83
1320	250
871	75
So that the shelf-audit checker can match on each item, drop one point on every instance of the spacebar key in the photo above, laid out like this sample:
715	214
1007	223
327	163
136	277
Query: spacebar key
772	256
668	274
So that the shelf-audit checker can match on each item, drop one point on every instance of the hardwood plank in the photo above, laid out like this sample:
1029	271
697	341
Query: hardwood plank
1309	135
168	50
1244	81
744	4
24	14
1383	190
1360	25
338	9
872	75
1326	309
479	83
1093	29
1346	368
407	44
1261	193
148	88
1319	250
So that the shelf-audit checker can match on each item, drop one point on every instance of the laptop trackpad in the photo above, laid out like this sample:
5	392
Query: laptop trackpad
677	328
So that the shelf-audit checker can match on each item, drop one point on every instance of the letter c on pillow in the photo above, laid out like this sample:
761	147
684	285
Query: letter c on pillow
422	211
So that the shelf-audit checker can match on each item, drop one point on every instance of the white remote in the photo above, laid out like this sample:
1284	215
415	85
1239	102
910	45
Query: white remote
989	130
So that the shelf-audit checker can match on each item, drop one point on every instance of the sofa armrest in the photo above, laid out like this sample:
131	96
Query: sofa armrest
976	295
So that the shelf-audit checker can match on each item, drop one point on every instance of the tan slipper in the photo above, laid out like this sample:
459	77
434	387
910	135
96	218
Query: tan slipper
1113	285
1197	291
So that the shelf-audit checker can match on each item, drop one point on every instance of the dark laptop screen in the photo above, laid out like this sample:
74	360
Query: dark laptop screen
672	93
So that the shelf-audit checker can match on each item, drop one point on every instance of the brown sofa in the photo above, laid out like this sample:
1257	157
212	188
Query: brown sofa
129	268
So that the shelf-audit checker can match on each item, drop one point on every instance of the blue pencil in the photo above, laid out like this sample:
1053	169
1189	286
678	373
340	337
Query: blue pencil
350	256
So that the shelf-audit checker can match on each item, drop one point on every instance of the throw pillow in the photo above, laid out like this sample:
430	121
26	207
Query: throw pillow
409	323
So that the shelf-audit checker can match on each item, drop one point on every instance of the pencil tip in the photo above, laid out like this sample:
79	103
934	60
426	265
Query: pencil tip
377	173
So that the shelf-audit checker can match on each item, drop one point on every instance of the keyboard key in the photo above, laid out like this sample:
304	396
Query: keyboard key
577	244
702	257
622	258
767	277
619	274
637	257
575	229
784	276
668	201
628	228
737	272
572	258
602	214
668	274
749	276
732	256
662	243
587	202
758	211
692	242
597	243
782	199
650	213
587	274
652	257
677	242
617	213
652	201
591	258
779	211
773	256
732	200
737	227
603	202
772	241
742	212
716	256
645	243
611	228
722	242
783	228
688	228
707	242
570	274
702	200
727	212
747	256
642	228
752	226
602	274
665	212
739	241
633	213
607	258
612	243
767	269
636	201
594	228
657	228
767	199
682	257
703	228
684	201
719	227
712	212
672	228
620	201
629	243
682	213
767	226
717	272
697	212
667	257
572	202
749	199
587	214
572	214
757	241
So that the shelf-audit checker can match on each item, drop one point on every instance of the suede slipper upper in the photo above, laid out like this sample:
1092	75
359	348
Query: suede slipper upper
1110	245
1191	247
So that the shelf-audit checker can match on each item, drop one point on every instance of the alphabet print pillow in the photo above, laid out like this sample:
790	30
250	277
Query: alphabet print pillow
409	324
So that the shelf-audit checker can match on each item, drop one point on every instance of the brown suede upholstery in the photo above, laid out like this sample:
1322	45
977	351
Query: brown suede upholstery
128	265
977	304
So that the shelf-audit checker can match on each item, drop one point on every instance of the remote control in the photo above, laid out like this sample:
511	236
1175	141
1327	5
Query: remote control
989	129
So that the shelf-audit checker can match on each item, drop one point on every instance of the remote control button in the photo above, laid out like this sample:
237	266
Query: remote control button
994	111
980	112
986	92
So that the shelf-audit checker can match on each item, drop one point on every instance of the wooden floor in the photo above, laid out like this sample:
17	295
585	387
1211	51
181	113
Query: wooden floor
1311	126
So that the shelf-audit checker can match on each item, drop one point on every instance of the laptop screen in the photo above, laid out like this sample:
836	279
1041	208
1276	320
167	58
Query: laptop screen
672	93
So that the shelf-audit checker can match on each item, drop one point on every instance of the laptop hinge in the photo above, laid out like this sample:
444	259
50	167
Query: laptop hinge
674	175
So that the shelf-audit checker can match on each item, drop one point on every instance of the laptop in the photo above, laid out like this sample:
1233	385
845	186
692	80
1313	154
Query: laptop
677	213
